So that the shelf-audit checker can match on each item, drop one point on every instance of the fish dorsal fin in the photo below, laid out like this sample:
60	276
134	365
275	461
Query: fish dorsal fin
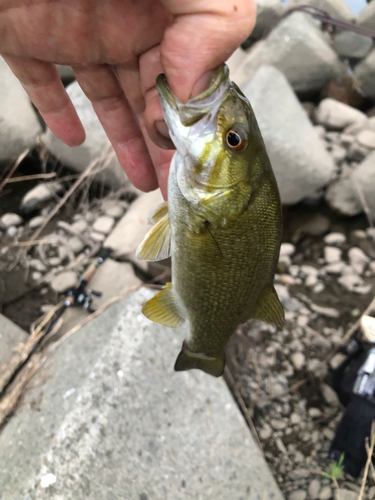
159	213
156	245
269	308
162	308
187	360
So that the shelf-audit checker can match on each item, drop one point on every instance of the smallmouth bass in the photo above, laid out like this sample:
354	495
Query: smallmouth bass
221	225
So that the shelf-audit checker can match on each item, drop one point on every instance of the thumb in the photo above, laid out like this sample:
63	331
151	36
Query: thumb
204	34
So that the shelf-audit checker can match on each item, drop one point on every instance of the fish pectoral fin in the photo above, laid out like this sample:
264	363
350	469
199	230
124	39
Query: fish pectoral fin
187	360
269	308
163	308
158	213
156	245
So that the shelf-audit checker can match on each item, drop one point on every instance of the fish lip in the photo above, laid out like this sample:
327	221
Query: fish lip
197	107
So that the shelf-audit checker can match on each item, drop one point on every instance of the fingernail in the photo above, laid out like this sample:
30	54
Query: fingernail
162	128
203	83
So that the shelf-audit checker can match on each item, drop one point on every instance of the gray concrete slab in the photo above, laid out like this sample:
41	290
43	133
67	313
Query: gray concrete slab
108	418
10	336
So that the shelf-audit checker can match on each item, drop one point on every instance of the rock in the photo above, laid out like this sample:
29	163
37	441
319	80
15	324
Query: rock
19	125
295	418
298	360
345	494
132	227
352	45
336	239
268	12
11	219
337	115
265	432
325	493
342	198
365	74
287	249
79	157
329	395
11	335
64	281
76	245
12	231
80	226
353	283
113	209
301	164
366	138
332	254
97	450
368	327
314	413
311	280
297	48
317	225
358	259
103	224
337	8
40	195
338	153
36	222
297	495
95	236
36	275
37	265
366	17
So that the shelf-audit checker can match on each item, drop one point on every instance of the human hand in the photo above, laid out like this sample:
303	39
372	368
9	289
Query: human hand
117	48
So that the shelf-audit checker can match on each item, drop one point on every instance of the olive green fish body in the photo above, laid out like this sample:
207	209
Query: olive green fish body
221	225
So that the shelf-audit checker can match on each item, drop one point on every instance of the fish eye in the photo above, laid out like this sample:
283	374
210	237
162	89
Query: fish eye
235	140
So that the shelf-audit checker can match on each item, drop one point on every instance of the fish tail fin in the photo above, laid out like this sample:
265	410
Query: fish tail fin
213	365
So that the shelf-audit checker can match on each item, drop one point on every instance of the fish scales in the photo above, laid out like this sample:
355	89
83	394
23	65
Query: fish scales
222	224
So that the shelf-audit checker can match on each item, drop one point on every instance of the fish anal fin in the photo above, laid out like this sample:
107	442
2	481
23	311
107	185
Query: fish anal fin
269	308
187	360
156	245
162	308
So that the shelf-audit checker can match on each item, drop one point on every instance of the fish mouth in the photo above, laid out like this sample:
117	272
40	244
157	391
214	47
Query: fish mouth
197	107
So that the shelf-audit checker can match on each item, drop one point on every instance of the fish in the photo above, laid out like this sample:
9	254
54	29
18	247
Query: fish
221	225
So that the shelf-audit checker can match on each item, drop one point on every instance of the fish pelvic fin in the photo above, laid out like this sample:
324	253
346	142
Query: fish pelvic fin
156	245
188	360
162	308
269	308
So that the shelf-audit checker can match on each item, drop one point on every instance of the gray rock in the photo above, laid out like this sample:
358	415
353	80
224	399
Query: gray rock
301	164
37	221
124	425
325	493
297	495
352	283
64	281
298	360
336	239
337	8
352	45
12	231
287	249
104	224
365	74
298	48
332	254
366	138
345	494
358	259
315	413
338	153
329	395
95	236
113	209
341	197
40	195
265	432
80	226
10	336
11	219
132	227
78	158
76	245
37	265
268	12
328	312
19	125
367	16
337	115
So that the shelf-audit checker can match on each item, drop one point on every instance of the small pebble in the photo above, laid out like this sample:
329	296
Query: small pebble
103	224
115	211
37	265
36	221
265	432
332	254
314	412
298	360
76	245
366	138
329	395
334	239
12	231
97	236
298	495
314	489
36	275
287	249
11	219
325	493
80	226
295	418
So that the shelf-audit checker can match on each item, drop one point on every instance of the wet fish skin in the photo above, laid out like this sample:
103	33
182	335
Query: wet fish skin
224	221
